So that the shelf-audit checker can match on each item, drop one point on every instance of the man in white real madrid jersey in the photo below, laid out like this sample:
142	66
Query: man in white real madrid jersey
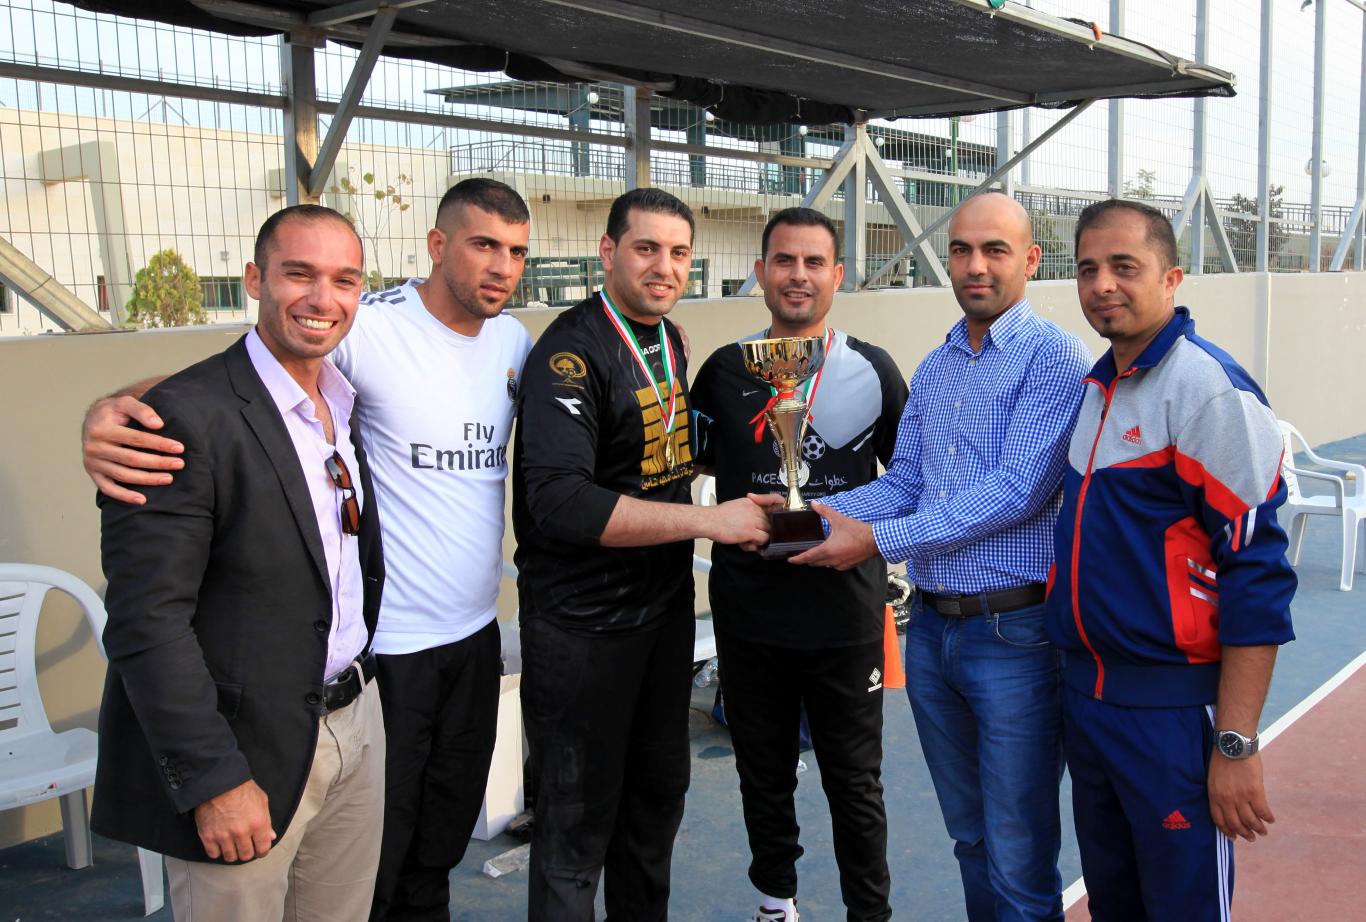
436	367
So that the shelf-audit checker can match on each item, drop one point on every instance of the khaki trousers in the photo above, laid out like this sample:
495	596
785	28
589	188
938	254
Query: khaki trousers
323	867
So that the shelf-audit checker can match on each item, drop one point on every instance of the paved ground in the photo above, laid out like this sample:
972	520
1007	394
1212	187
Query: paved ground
1322	818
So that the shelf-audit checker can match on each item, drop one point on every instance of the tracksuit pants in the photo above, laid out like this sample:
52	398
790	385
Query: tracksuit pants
765	687
441	717
1149	850
607	720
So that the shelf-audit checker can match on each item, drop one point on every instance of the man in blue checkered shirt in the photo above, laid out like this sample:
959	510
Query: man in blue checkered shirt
969	502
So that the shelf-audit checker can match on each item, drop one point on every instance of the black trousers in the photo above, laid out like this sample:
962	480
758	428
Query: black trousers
607	720
440	720
765	687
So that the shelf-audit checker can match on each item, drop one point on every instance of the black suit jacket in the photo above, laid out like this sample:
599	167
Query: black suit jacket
219	612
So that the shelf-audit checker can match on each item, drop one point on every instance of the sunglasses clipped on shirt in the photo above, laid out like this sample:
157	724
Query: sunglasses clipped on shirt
341	479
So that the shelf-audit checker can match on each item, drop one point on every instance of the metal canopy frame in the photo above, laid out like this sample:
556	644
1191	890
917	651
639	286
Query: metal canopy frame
917	241
377	25
855	165
343	23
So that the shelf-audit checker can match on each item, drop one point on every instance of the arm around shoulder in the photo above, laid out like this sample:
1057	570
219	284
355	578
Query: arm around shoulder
118	449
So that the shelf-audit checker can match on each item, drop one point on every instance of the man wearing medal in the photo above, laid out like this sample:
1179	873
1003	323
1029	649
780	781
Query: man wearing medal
788	635
604	525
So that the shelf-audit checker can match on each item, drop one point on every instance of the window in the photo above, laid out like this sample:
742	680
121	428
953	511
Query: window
731	287
5	306
220	292
102	294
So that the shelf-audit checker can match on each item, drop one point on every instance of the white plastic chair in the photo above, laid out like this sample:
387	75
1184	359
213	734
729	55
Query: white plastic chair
1347	501
37	764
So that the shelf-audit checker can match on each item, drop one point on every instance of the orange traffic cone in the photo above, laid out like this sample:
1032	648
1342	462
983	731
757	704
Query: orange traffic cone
893	673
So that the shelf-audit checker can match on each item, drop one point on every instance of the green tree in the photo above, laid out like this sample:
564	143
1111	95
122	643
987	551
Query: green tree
166	293
1055	260
1142	187
350	196
1242	232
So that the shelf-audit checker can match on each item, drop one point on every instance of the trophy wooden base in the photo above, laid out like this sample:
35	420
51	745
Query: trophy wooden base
791	533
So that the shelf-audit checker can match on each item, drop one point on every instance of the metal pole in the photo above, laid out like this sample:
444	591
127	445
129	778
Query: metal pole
580	119
1003	143
346	109
855	207
1026	130
1360	259
1316	172
953	160
1116	159
1264	146
301	115
1355	227
637	117
1200	128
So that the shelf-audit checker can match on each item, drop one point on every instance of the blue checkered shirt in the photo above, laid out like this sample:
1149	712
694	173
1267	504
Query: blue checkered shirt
972	492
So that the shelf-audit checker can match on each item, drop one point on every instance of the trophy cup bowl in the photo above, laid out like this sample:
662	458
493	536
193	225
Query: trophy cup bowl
786	364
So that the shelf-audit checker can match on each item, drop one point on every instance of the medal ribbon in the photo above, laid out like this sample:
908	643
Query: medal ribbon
666	359
760	419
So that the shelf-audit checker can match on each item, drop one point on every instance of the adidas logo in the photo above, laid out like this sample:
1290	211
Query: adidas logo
1175	820
875	679
1133	436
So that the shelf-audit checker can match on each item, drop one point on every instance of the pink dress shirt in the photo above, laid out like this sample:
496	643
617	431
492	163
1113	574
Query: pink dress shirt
348	635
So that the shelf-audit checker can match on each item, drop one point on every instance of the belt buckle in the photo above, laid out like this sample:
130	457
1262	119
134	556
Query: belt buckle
950	606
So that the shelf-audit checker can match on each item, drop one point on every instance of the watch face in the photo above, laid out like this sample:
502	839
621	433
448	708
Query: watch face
1231	745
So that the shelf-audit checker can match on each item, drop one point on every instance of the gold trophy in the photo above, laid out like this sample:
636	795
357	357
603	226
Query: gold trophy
784	365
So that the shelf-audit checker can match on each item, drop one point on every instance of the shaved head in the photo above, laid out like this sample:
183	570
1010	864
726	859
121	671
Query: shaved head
991	256
1000	211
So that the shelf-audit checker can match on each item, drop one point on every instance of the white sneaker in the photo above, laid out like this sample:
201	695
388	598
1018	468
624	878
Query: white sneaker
774	915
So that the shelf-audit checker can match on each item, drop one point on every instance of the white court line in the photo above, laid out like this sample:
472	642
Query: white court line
1317	695
1078	889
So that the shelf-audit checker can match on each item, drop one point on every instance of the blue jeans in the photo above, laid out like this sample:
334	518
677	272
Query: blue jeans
986	694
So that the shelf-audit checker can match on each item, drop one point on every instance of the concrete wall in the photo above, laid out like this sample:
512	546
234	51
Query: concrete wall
1304	336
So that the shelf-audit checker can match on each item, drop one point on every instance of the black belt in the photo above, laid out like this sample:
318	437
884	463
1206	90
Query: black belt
1000	602
342	690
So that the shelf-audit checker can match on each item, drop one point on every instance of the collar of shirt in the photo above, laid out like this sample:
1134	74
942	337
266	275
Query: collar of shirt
1002	331
289	397
1181	324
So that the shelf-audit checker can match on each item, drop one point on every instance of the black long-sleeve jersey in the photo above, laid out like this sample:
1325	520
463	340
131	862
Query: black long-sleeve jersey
590	430
856	406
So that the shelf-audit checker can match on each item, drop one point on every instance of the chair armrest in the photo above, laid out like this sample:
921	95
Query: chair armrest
1339	487
1344	466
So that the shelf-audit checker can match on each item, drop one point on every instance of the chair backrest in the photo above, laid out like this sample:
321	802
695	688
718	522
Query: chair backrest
22	590
1288	436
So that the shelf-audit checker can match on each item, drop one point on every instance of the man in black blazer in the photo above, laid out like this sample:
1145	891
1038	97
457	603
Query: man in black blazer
240	723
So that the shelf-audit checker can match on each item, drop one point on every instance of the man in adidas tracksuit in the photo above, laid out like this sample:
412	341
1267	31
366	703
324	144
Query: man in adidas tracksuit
1171	589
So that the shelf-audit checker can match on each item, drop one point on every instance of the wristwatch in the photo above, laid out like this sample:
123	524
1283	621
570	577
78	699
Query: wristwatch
1234	745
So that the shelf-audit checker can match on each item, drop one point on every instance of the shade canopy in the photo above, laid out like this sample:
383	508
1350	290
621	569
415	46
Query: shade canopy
759	62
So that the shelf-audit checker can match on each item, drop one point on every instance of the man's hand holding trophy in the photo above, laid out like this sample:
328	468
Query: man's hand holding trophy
785	365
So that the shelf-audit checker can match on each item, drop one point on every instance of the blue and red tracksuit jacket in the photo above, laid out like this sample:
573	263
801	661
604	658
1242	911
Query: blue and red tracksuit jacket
1167	546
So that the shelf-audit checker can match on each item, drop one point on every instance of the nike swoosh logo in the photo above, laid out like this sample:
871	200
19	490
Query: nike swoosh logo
747	393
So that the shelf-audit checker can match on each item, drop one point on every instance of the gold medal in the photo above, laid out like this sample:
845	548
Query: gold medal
669	460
